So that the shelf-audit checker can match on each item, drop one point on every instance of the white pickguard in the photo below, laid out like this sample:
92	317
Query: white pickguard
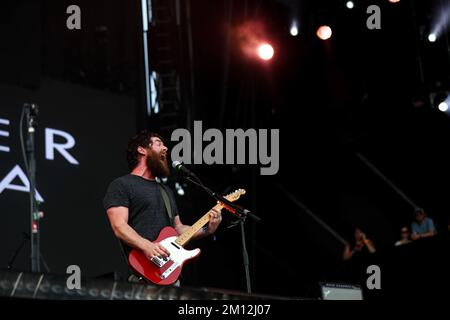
177	255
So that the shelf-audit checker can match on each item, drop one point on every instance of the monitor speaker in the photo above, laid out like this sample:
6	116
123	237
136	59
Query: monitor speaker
340	291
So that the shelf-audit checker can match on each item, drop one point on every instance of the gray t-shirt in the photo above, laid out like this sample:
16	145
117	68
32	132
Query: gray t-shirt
147	212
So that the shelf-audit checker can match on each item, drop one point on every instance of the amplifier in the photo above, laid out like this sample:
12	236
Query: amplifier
340	291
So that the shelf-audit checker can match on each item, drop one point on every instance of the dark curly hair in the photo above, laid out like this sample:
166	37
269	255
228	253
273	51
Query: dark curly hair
142	139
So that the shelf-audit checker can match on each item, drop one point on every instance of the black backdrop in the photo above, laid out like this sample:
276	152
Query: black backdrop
74	229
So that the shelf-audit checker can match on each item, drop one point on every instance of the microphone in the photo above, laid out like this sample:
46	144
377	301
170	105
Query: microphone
180	167
32	108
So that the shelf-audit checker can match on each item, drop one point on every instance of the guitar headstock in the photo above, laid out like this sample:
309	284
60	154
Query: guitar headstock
235	195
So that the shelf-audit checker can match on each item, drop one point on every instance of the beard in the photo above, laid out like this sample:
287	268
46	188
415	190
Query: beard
158	165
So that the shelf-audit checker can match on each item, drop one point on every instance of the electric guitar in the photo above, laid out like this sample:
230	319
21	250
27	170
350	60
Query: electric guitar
166	271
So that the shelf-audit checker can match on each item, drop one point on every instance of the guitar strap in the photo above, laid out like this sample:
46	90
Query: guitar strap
166	199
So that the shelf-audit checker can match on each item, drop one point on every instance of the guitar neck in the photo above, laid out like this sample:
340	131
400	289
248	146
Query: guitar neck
186	236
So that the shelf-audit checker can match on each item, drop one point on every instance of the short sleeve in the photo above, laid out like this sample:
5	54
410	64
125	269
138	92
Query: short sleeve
431	225
116	196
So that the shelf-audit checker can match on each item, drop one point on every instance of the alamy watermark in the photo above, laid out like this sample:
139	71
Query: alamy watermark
374	280
74	20
374	20
74	279
236	146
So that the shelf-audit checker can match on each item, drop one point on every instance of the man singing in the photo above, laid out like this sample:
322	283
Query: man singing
135	204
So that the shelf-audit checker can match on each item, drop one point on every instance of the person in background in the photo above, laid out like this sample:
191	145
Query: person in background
405	237
423	226
362	246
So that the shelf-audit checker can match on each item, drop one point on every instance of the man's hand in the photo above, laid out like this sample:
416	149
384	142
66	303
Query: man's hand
155	249
358	246
214	220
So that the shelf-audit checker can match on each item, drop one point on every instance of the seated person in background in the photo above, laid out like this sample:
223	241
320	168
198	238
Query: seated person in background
423	226
404	234
362	245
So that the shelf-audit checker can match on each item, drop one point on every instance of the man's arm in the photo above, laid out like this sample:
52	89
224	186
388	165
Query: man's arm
427	234
215	219
181	228
118	218
369	244
432	231
414	232
347	254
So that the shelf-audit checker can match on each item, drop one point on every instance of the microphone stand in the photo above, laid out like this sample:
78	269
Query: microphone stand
25	238
31	113
241	213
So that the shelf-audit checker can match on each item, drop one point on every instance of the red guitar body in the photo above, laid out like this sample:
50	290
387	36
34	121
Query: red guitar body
159	271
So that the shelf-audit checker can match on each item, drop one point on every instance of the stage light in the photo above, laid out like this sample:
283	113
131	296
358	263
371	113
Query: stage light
324	32
440	100
265	51
440	22
350	5
394	1
443	106
253	40
294	29
432	37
